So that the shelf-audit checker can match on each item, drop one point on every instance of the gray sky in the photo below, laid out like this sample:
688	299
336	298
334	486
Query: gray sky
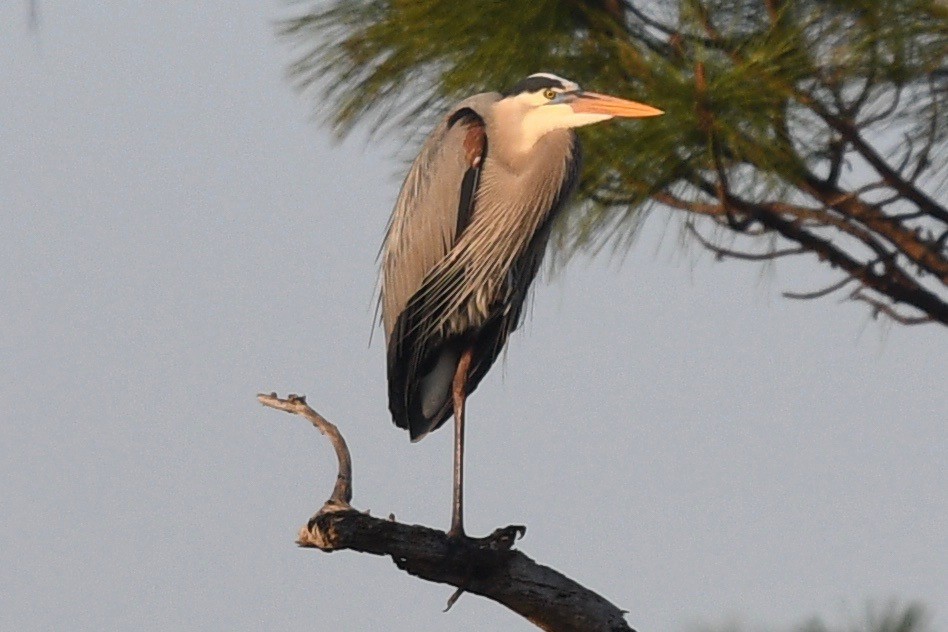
177	234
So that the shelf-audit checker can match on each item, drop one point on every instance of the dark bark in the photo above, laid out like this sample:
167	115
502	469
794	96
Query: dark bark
483	566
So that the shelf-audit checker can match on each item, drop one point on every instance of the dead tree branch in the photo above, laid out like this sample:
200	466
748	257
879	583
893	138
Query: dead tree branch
483	566
296	404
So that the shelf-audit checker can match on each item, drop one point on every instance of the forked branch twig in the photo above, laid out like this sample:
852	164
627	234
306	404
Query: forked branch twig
296	404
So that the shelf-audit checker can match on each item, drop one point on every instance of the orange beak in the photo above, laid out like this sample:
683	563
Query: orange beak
595	103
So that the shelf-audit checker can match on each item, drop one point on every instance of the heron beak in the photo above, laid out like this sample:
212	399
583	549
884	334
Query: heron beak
595	103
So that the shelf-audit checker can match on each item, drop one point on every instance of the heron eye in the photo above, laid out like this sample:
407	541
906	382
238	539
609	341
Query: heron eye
549	94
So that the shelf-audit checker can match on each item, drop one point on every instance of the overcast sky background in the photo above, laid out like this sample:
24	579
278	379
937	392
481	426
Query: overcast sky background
177	234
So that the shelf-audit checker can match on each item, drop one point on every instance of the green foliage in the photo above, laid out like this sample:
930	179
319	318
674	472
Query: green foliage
762	98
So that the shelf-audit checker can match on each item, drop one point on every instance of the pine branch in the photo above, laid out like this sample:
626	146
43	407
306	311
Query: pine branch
907	241
723	253
759	99
878	307
894	179
891	282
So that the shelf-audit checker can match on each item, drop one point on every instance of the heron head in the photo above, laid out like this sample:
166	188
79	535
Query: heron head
544	102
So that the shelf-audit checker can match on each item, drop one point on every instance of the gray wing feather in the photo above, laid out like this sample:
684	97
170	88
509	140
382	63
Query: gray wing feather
503	245
422	227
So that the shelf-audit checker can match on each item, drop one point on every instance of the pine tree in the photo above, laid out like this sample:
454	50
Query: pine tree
792	127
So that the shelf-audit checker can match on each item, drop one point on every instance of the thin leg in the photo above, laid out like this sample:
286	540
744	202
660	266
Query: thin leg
459	393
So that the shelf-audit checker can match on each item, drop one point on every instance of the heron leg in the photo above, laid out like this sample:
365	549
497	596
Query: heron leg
459	393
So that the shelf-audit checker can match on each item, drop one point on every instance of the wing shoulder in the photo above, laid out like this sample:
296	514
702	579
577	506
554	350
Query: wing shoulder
433	204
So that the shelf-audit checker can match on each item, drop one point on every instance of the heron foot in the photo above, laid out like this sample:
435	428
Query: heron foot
505	537
501	539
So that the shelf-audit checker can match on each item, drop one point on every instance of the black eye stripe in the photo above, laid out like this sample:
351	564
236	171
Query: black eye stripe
534	84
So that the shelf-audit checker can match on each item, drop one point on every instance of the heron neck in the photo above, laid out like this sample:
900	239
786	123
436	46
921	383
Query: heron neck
517	133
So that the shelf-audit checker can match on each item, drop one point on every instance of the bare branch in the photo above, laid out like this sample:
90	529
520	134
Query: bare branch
893	282
701	208
805	296
664	28
901	217
837	149
909	149
893	179
878	307
483	566
876	220
931	136
852	110
886	113
722	252
296	404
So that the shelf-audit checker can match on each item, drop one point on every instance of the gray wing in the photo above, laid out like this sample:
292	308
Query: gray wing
426	219
433	208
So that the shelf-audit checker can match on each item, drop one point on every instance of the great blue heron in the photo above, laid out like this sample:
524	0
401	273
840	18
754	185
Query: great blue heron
466	239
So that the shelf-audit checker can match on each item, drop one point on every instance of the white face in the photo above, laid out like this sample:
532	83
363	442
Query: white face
547	108
544	102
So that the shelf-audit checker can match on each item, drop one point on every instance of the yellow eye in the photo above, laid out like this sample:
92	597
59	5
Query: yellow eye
549	94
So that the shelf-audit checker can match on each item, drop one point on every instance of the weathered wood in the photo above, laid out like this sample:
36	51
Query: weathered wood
296	404
483	566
